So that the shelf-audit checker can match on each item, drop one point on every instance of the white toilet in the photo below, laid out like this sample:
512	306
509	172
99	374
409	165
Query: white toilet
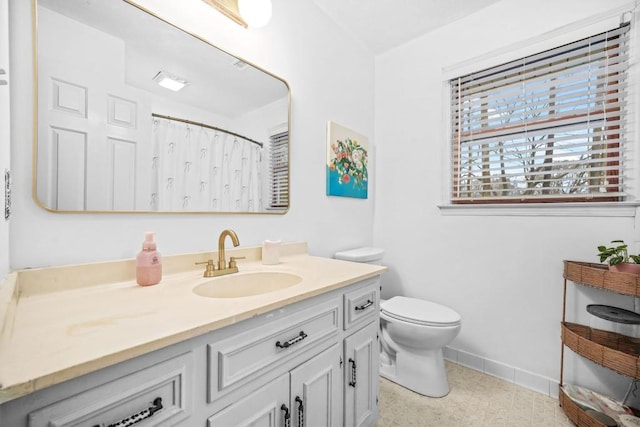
414	332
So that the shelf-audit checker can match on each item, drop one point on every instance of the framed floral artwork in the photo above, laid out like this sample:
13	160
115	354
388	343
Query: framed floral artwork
347	162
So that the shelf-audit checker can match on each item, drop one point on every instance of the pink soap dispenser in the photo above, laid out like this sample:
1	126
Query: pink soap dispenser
148	263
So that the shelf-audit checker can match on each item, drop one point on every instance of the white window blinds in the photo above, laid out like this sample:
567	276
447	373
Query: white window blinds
279	171
545	128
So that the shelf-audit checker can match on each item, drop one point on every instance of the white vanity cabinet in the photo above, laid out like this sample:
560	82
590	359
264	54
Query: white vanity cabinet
272	346
311	363
361	354
362	351
309	395
302	349
338	386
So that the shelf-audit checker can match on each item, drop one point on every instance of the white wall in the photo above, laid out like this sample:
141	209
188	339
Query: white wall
299	45
502	273
5	136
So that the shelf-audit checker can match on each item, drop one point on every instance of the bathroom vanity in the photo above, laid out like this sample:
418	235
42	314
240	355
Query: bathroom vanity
101	350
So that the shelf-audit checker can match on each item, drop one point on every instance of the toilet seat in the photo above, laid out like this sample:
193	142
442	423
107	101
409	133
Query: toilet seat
419	312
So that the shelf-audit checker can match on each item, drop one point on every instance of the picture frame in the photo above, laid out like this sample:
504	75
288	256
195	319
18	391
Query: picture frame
347	169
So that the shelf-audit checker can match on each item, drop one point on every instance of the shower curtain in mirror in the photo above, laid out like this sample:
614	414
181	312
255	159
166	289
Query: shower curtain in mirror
200	169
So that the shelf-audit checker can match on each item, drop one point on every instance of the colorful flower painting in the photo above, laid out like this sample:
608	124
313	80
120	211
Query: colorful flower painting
347	162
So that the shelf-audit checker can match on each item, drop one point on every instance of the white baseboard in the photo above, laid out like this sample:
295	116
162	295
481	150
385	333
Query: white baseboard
505	372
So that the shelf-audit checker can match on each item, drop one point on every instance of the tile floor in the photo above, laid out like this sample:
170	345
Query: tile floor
475	400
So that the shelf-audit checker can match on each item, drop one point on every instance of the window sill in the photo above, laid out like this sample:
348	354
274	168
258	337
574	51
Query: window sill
604	209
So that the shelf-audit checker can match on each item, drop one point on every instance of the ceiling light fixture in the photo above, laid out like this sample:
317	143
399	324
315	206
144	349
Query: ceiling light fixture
248	13
256	13
169	81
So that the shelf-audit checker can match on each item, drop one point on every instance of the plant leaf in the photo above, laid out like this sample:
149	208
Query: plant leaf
616	260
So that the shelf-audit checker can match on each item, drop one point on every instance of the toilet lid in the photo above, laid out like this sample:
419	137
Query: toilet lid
419	311
361	254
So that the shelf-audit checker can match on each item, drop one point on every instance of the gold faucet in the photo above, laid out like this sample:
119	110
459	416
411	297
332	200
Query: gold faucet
223	268
222	261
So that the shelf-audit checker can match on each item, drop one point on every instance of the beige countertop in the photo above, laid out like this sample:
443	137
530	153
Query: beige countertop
62	322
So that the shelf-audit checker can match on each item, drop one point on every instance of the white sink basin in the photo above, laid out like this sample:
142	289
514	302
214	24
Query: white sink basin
238	285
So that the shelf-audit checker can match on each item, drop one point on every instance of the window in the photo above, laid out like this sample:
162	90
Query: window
279	171
545	128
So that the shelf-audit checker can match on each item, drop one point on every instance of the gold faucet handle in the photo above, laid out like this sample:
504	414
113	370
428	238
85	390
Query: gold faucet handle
209	269
232	261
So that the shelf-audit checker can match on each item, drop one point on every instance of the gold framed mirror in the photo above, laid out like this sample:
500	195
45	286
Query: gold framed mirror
111	137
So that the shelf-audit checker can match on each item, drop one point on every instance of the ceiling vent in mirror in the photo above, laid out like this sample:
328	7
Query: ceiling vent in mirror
169	81
240	64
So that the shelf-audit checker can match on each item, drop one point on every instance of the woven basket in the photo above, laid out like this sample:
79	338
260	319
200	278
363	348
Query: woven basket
609	349
599	276
575	413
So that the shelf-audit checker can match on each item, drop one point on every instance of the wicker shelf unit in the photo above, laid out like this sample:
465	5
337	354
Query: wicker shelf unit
617	352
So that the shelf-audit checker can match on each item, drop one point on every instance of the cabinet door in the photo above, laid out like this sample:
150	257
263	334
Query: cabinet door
316	391
361	377
265	407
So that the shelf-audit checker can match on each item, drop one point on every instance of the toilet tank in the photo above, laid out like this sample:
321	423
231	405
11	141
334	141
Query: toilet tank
367	255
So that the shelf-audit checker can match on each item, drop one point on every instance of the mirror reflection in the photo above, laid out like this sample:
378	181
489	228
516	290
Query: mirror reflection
136	115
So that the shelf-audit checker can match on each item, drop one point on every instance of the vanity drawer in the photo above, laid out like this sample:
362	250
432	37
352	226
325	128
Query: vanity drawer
235	361
362	305
159	395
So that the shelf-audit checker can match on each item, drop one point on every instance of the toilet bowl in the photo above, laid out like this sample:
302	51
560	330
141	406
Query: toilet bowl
413	334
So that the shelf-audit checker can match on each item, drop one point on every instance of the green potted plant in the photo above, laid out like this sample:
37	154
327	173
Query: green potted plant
619	258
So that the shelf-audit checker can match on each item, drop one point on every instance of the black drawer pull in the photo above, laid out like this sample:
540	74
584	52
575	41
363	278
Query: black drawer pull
292	341
352	382
300	412
364	306
136	418
287	416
